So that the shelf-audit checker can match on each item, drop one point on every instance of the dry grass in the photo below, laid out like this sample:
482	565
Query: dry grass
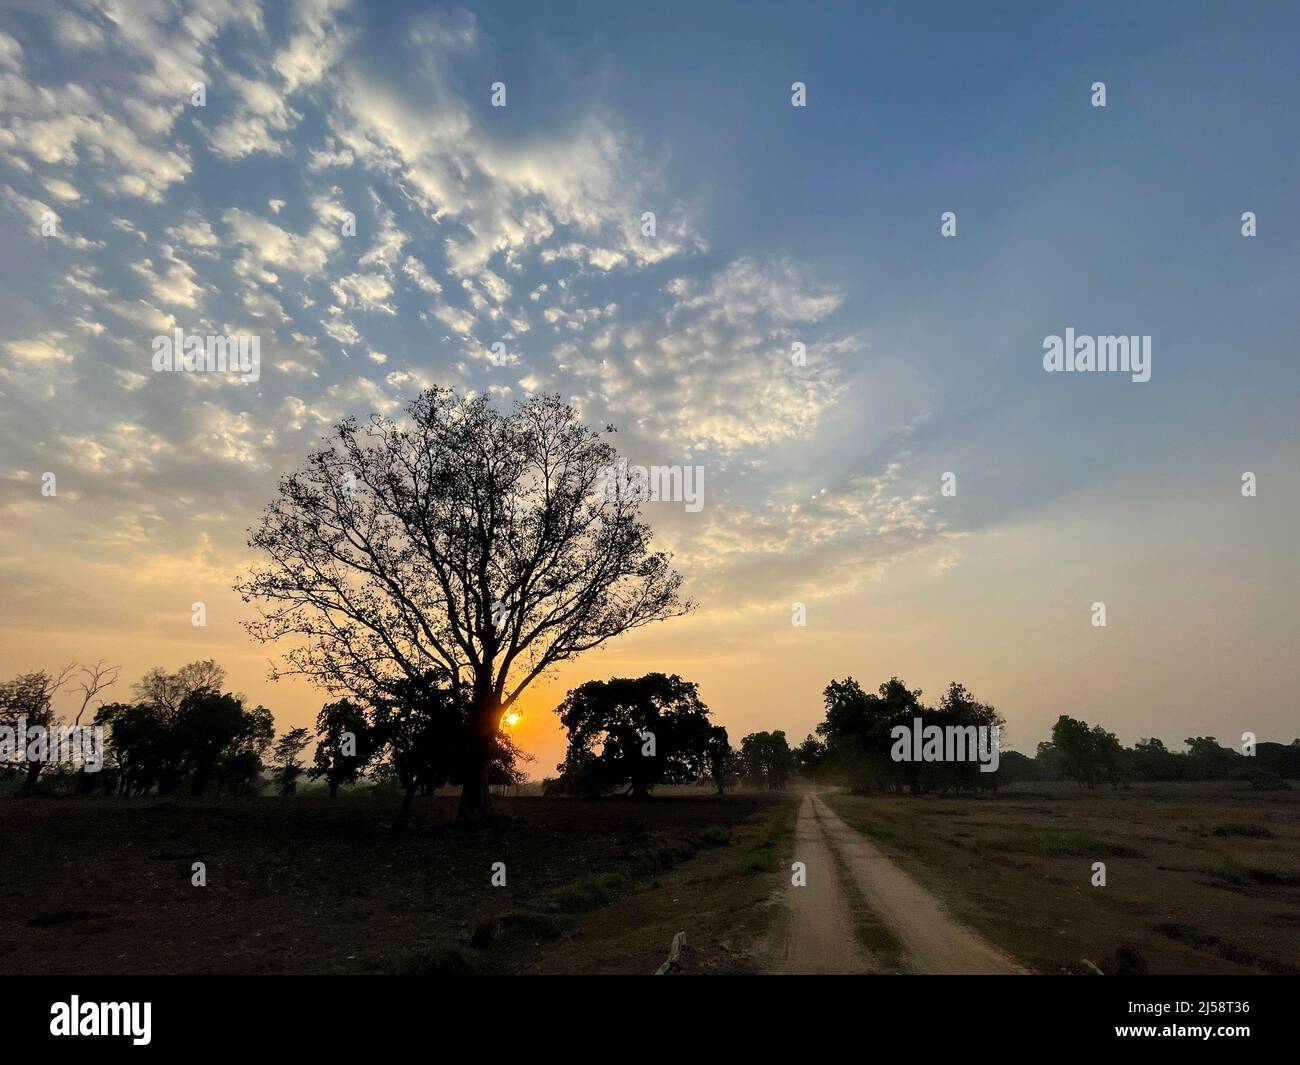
1200	878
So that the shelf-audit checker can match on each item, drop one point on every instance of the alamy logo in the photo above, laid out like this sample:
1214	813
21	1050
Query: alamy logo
196	354
1082	354
656	484
78	745
103	1018
918	742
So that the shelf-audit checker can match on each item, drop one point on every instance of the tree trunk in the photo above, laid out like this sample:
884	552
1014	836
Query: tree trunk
334	789
485	720
33	774
400	823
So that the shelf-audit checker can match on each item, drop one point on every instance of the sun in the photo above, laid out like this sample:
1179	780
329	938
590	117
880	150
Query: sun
512	718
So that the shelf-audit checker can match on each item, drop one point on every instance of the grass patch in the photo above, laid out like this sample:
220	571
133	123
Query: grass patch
1059	843
715	836
763	855
1210	943
437	957
589	892
1249	831
1230	871
517	925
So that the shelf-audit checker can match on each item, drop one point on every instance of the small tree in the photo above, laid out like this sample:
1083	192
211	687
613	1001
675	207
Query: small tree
422	725
240	766
285	766
29	698
767	758
345	746
809	756
721	758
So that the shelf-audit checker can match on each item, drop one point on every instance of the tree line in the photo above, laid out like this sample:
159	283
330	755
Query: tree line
854	746
182	731
633	734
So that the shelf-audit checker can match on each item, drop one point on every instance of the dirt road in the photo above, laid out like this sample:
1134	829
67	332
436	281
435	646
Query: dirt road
860	913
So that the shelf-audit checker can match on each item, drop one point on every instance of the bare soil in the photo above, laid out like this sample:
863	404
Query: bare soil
313	885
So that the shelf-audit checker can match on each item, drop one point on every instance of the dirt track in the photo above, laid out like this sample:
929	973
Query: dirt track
851	887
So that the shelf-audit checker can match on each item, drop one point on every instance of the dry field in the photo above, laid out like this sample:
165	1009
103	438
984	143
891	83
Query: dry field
310	885
1200	878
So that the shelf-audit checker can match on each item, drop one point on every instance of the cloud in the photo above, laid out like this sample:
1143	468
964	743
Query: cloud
48	347
714	372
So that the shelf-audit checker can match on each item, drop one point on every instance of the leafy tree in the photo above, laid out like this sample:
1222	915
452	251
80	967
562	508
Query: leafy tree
1072	741
959	709
767	759
1048	760
1152	760
285	766
809	756
142	745
1087	755
634	733
30	697
721	758
183	726
482	545
207	725
857	729
239	768
1209	761
423	726
346	744
1108	753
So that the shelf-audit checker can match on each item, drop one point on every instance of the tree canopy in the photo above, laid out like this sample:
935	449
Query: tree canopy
635	733
462	541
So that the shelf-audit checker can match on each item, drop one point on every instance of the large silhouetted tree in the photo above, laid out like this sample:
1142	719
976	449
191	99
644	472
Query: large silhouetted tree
463	540
635	733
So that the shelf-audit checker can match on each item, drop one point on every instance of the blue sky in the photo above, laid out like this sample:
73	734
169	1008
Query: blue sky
521	224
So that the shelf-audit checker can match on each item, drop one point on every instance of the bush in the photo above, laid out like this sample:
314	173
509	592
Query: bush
1126	961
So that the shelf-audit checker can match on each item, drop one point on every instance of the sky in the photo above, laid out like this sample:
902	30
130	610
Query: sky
225	210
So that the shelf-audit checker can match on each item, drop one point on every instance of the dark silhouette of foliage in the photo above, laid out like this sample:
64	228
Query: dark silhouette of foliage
722	759
476	544
285	766
808	757
29	697
766	760
634	733
346	744
183	727
1087	755
859	743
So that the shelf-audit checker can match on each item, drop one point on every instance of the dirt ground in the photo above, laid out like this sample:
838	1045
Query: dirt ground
1200	878
727	900
310	885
